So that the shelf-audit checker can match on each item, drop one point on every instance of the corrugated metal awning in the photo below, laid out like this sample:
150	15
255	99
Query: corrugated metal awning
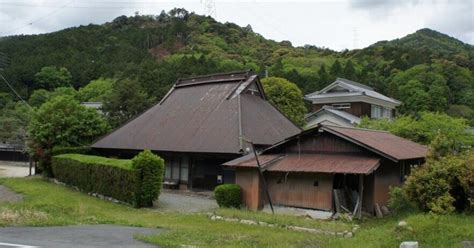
322	163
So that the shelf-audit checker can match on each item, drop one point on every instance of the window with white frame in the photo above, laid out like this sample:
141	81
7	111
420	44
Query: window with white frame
378	112
345	105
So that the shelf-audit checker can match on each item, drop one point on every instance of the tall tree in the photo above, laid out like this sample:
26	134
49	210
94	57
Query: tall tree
323	77
62	122
349	71
96	90
336	69
51	77
126	100
287	97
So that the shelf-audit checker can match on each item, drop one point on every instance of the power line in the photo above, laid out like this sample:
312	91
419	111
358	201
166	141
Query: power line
14	91
38	19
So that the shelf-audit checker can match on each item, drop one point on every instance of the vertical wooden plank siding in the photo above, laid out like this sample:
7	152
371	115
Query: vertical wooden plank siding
299	190
249	181
386	176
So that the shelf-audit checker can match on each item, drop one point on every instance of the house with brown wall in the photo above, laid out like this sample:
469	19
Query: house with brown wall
310	169
344	102
199	125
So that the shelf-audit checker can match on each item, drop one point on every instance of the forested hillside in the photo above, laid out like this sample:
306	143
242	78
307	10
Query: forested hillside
427	70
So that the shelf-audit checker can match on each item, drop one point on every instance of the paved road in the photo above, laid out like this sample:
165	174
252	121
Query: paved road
81	236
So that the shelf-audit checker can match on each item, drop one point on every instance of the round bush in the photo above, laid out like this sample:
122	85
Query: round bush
228	195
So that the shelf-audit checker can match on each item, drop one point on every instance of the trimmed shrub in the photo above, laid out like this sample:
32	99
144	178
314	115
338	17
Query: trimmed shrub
150	169
58	150
136	181
93	174
228	195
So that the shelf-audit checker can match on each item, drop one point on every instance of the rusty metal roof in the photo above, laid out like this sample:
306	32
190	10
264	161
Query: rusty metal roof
323	163
380	142
205	114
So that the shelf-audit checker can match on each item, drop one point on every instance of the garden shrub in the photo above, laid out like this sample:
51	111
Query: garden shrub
228	195
442	185
136	181
150	169
399	201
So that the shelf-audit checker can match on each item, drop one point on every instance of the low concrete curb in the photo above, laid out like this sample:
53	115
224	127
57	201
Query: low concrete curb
344	234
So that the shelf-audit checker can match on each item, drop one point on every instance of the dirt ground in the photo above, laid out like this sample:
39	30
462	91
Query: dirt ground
14	169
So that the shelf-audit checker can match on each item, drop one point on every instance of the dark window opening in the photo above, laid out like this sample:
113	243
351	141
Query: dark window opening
316	183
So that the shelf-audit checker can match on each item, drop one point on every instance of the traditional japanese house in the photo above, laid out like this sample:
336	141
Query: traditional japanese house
311	169
199	125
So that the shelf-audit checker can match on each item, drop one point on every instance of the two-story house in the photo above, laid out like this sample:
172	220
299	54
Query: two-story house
344	102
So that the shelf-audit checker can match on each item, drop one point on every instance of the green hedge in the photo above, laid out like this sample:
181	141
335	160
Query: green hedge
58	150
149	177
228	195
136	181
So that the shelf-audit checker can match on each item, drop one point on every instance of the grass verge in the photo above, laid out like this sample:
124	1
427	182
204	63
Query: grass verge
49	204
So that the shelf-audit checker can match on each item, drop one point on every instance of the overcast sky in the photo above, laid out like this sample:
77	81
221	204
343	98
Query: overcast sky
337	24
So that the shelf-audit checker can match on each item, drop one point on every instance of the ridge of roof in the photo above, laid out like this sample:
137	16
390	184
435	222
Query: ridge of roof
358	128
347	81
214	78
356	89
339	113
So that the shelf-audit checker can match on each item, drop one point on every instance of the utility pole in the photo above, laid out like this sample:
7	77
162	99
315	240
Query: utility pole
209	8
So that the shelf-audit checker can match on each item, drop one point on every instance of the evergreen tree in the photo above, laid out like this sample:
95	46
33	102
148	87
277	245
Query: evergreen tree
323	77
336	69
349	71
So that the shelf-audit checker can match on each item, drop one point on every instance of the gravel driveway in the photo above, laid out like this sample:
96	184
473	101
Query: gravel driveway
184	202
14	169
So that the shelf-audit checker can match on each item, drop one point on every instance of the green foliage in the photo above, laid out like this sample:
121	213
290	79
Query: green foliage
41	96
287	97
92	174
51	77
436	186
63	122
435	70
137	181
399	201
126	100
425	128
96	90
228	195
14	120
58	150
150	177
462	111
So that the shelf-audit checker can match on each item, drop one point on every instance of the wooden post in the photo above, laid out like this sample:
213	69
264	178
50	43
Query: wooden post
30	163
361	193
262	177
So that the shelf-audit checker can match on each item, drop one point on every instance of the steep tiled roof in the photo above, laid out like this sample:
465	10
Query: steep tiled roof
207	114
